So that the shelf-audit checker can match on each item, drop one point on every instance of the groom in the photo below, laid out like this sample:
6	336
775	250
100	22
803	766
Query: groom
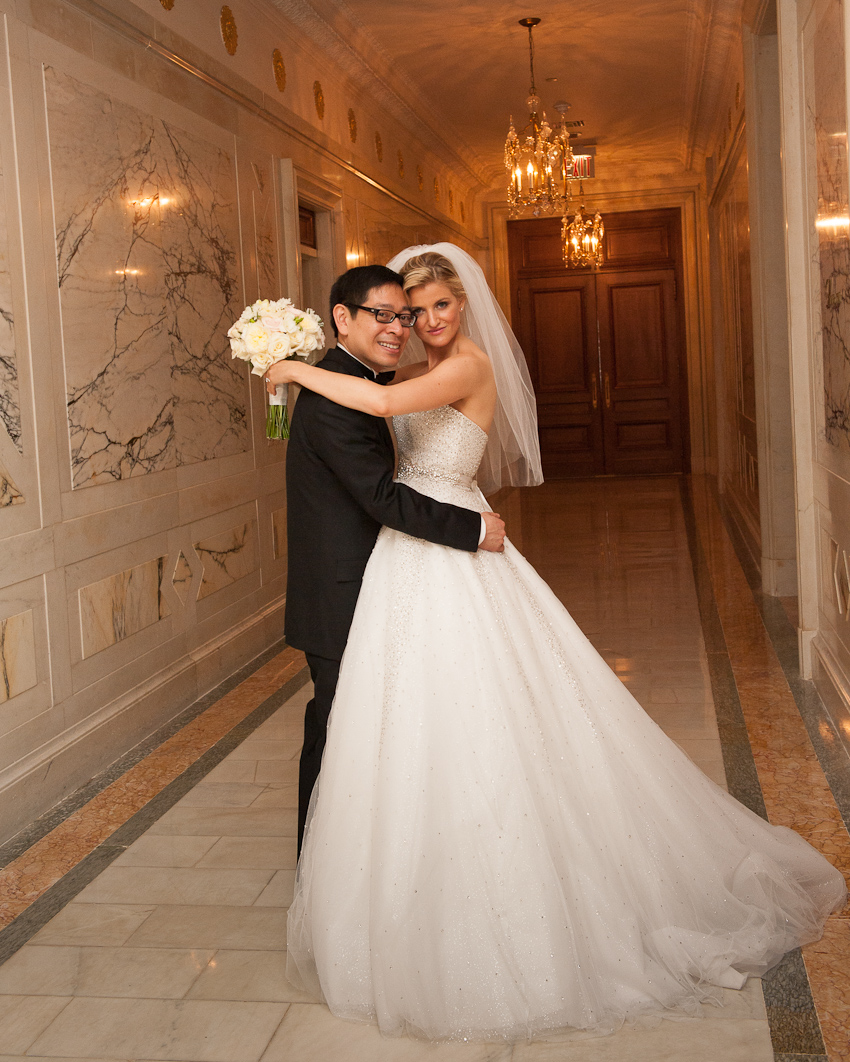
340	492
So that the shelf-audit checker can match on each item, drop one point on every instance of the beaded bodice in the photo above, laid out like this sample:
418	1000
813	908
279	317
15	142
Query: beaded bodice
441	447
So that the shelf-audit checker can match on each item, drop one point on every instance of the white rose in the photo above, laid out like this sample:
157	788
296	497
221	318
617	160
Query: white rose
310	323
273	321
255	337
279	346
261	362
239	349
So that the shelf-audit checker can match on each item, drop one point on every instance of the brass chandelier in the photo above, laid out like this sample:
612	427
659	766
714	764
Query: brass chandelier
539	160
581	238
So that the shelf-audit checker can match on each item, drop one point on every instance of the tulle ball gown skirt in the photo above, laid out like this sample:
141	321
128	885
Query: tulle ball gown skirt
503	843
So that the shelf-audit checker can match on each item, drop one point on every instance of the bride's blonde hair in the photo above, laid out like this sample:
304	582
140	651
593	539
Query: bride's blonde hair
428	268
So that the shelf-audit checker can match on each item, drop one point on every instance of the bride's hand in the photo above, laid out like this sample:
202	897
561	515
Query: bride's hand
279	373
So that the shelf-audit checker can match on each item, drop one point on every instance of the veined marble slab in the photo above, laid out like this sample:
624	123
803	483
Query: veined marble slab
10	406
181	580
17	655
265	233
226	557
827	113
9	493
122	604
147	239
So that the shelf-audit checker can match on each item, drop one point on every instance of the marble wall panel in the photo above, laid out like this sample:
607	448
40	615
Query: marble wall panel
826	105
9	493
181	580
10	407
17	655
147	240
226	557
265	231
122	604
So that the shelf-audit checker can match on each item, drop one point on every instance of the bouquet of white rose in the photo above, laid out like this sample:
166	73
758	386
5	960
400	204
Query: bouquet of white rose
268	332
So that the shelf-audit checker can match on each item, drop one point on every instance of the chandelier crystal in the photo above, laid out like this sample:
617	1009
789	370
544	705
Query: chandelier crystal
581	238
539	160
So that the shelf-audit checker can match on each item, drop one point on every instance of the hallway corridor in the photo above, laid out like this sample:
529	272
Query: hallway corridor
145	917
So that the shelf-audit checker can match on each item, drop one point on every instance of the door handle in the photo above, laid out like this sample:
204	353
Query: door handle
594	393
607	391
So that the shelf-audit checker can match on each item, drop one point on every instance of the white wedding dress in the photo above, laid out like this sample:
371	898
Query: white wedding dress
501	841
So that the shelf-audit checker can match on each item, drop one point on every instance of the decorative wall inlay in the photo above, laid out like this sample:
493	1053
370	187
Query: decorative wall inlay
167	4
352	125
10	408
147	238
226	557
462	212
120	605
228	30
279	69
181	580
17	655
451	201
436	190
279	533
379	147
827	128
9	493
319	99
420	178
400	164
737	95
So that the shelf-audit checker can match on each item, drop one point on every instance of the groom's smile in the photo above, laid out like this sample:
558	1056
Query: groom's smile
375	344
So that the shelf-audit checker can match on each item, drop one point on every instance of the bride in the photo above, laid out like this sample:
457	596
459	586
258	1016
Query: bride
501	842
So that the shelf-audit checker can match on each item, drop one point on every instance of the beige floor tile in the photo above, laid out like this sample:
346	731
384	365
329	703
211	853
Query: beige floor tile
672	1041
94	924
248	928
222	795
153	851
310	1033
247	975
191	1030
176	885
262	749
278	892
230	771
166	973
224	822
274	853
24	1018
277	772
284	796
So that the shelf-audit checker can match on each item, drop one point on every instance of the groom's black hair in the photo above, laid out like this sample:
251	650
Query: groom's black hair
353	287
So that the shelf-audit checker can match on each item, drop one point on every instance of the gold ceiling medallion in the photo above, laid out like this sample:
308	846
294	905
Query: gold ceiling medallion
319	99
400	164
352	125
279	69
436	190
379	147
228	30
420	179
167	4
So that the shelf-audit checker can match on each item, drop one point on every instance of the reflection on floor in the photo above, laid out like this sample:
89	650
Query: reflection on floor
174	947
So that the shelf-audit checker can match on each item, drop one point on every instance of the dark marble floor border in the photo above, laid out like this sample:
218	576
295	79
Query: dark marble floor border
827	742
792	1018
39	913
40	827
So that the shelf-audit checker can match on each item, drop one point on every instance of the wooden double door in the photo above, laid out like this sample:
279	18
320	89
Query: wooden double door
604	347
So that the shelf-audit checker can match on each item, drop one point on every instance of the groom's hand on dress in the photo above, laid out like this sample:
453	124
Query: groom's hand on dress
494	539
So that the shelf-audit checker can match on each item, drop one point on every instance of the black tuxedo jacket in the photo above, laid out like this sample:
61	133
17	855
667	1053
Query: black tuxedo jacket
340	491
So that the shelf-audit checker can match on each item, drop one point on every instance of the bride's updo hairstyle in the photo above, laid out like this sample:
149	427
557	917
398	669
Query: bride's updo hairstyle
429	268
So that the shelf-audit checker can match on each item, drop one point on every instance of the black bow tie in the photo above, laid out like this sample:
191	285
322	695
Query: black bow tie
384	377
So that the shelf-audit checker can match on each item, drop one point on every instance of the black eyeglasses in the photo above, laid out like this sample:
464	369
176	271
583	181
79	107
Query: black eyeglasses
407	318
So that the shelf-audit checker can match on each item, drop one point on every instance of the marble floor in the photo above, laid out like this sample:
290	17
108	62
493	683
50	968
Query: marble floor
145	918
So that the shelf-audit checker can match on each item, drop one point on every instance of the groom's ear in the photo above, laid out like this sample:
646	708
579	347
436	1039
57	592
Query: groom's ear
342	318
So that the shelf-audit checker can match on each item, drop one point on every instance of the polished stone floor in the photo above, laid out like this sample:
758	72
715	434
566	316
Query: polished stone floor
145	918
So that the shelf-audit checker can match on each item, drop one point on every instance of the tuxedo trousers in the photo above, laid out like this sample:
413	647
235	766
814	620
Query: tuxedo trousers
325	674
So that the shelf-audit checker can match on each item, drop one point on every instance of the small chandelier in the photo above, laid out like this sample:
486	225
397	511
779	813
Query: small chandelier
582	237
539	160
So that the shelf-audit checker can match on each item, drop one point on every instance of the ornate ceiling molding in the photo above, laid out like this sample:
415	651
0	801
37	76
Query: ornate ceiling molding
332	27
